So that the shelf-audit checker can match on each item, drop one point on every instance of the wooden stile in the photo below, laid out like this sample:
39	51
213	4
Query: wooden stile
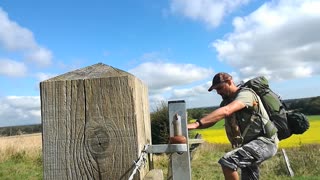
95	124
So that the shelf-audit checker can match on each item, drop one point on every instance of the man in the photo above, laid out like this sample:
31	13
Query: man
247	125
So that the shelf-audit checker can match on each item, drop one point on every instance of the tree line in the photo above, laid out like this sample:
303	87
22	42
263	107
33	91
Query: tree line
19	130
308	106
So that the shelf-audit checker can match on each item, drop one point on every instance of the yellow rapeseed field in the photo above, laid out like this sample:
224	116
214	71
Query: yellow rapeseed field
309	137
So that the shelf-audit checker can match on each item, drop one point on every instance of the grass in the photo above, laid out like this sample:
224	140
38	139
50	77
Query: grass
20	166
20	157
304	160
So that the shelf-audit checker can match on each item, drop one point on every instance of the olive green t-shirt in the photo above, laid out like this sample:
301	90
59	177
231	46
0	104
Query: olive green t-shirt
250	100
246	116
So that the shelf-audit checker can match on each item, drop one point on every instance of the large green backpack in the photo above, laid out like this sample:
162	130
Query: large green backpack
287	123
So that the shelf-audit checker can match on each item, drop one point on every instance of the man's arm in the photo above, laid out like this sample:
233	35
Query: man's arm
217	115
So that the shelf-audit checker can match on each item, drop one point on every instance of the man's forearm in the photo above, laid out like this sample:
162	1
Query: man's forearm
212	118
209	120
217	115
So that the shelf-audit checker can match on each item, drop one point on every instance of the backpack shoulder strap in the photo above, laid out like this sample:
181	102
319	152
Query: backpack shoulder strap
267	126
253	108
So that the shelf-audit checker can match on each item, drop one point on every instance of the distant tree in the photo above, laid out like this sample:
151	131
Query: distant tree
313	107
19	132
197	113
159	124
308	106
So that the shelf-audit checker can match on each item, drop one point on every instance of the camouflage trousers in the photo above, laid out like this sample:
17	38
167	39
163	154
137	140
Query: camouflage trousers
249	156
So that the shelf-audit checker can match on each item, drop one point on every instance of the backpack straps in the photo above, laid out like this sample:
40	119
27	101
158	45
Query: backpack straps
268	128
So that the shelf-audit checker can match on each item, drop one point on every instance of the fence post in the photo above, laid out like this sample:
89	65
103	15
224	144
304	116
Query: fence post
180	163
95	122
286	160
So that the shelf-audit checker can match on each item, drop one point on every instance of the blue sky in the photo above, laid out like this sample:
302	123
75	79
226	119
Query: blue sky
174	46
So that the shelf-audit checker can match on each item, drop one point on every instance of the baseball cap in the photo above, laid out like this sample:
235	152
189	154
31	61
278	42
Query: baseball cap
218	79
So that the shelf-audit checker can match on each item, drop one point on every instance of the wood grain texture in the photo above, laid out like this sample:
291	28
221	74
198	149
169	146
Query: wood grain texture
94	128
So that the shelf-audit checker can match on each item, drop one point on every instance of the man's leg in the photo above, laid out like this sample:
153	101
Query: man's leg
250	155
250	172
233	160
230	174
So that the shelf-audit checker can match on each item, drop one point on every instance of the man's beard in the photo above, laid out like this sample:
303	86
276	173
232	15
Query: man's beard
226	95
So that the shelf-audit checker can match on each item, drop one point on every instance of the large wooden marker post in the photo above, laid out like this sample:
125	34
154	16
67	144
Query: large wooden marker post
95	124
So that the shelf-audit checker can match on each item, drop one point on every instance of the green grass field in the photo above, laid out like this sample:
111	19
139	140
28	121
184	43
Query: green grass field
216	134
20	156
304	161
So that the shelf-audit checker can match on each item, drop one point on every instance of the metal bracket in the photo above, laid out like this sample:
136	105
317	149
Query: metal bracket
167	148
180	165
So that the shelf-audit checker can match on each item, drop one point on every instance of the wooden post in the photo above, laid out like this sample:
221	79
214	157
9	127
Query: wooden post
286	160
95	124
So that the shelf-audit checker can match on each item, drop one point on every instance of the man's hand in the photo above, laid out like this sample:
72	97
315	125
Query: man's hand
192	126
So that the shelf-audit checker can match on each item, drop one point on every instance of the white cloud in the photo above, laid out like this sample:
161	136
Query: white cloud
19	110
156	100
211	12
191	92
279	40
12	68
41	56
44	76
15	38
160	75
198	90
197	96
162	78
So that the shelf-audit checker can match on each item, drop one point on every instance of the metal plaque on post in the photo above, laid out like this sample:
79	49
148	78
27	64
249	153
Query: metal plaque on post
180	162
